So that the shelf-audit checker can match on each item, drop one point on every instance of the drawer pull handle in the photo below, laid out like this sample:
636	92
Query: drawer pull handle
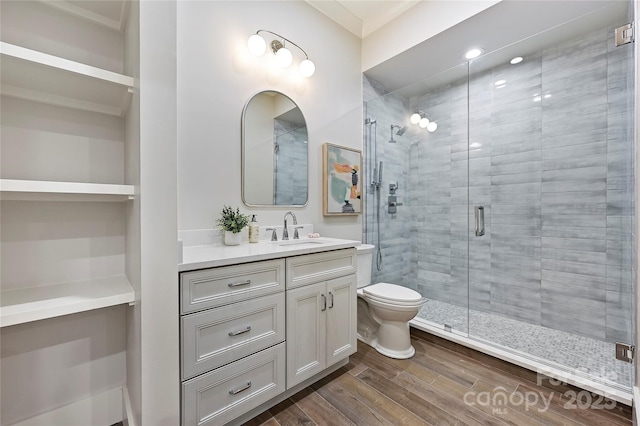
238	284
240	389
331	294
235	333
324	302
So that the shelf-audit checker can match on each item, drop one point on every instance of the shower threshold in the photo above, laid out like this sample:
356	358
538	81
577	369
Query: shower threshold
564	374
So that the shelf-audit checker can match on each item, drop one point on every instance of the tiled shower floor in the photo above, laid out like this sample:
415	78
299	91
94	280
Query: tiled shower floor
581	355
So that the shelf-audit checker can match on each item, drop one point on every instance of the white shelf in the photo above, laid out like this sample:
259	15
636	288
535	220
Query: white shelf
12	189
37	303
40	77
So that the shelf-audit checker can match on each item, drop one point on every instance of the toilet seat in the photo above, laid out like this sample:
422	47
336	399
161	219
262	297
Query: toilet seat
392	294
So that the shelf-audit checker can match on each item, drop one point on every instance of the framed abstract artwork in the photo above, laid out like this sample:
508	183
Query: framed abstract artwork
342	180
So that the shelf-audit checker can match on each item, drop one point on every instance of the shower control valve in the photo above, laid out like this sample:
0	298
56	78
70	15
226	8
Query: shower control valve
393	187
392	204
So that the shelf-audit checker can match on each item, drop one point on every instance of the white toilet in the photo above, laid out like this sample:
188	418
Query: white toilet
384	310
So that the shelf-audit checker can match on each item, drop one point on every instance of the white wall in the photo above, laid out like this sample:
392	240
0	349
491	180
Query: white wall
51	363
158	215
217	75
132	241
421	22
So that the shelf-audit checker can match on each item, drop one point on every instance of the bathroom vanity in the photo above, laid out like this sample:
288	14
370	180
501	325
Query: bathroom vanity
259	322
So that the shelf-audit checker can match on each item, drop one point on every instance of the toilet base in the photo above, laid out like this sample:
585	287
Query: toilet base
373	342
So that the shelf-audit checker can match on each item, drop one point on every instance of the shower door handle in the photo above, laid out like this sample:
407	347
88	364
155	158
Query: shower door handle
479	215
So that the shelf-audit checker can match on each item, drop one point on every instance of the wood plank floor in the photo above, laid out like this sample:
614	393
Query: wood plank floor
443	384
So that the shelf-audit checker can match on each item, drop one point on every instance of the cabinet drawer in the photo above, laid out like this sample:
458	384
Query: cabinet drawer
217	397
312	268
228	284
219	336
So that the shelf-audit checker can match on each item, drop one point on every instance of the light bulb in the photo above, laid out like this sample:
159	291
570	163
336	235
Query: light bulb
257	45
415	118
424	122
307	68
473	53
284	57
431	127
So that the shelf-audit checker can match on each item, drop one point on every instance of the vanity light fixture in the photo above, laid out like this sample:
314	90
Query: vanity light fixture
421	119
257	46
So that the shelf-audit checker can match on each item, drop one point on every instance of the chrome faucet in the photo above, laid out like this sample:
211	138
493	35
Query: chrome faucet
285	233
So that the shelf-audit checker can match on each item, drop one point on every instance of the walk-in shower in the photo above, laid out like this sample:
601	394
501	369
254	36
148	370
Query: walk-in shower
544	149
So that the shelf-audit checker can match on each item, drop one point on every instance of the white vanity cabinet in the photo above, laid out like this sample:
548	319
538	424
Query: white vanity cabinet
253	333
321	312
232	332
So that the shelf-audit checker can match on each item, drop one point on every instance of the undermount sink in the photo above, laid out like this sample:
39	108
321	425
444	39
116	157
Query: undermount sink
298	242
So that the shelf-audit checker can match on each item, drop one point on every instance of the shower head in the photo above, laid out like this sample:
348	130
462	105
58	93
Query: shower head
400	132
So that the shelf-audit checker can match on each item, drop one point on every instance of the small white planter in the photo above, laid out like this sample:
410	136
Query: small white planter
231	239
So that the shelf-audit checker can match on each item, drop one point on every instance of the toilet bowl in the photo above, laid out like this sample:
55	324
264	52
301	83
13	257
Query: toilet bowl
384	310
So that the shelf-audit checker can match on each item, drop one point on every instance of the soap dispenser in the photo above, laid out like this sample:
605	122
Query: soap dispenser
254	230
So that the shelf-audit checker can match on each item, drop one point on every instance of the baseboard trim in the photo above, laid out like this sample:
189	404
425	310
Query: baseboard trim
101	409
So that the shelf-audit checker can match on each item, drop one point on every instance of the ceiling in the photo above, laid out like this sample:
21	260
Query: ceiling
362	17
507	29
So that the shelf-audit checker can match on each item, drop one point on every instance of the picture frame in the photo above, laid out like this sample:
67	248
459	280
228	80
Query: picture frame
341	180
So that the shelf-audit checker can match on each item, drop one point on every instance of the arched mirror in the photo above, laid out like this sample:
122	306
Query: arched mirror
274	152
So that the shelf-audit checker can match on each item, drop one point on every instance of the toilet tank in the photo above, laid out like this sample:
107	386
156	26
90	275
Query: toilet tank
364	253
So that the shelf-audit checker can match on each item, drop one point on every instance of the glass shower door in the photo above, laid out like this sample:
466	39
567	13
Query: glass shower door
551	149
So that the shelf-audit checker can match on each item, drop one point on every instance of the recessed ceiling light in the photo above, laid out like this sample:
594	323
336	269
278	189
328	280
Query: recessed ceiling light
516	60
473	53
500	82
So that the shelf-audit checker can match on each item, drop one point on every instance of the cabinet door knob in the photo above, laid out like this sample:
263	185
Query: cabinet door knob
240	389
331	299
324	302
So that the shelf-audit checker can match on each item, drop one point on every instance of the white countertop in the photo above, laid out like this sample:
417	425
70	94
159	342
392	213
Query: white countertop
209	256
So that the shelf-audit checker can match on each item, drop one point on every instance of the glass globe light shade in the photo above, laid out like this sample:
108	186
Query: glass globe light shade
415	118
424	122
284	57
257	45
431	127
307	68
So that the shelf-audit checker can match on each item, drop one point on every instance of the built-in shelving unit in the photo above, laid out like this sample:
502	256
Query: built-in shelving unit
69	208
13	189
38	303
27	74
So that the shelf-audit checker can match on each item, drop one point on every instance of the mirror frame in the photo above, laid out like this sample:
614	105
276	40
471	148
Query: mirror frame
243	153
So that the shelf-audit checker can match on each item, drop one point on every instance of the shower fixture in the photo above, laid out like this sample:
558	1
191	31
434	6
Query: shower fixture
400	132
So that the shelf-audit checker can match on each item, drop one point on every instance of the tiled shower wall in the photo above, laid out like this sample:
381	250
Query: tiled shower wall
394	228
549	155
290	186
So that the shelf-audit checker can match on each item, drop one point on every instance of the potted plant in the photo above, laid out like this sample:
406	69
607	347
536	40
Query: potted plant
232	222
